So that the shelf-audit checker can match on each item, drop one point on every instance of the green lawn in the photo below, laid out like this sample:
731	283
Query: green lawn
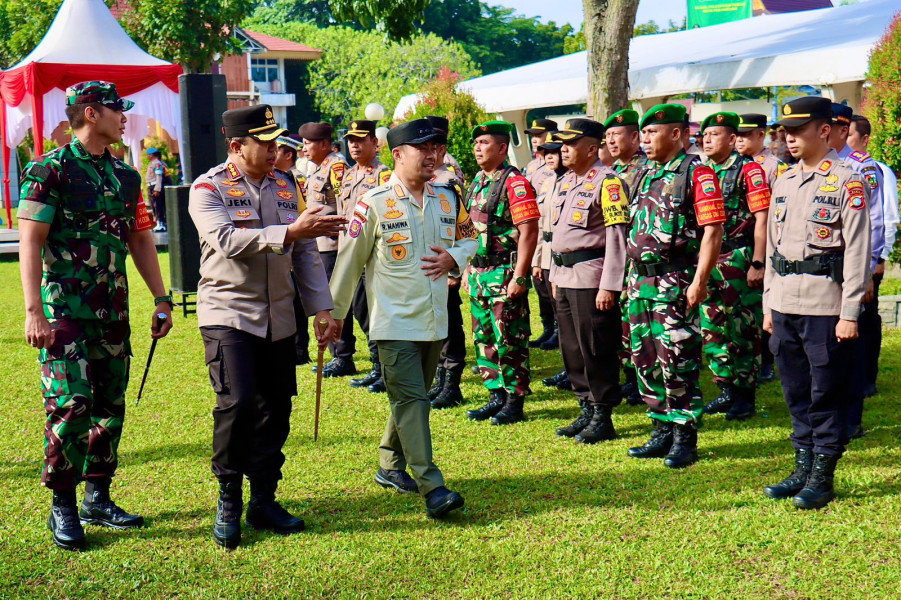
544	517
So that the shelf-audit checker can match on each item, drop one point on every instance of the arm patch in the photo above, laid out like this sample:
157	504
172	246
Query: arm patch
614	202
523	206
708	199
38	172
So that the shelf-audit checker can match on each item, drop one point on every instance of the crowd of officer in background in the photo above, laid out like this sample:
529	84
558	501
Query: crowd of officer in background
648	251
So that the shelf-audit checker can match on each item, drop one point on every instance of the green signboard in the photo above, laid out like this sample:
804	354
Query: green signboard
702	13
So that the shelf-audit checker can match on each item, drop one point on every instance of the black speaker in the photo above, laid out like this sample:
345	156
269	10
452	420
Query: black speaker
203	100
184	243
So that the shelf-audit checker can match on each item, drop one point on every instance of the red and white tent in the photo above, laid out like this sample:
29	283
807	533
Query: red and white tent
85	42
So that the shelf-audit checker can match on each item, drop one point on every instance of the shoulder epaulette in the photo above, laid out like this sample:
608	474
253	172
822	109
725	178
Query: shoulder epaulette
859	156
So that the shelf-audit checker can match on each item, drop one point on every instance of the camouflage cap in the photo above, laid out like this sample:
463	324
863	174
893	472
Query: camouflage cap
100	92
493	127
663	114
721	119
622	118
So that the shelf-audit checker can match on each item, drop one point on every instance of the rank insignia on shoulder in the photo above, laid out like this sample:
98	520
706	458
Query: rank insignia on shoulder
859	156
233	171
824	166
592	173
399	191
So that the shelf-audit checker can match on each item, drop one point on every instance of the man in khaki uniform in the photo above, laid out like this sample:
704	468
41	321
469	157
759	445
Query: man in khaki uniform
588	252
323	187
537	136
750	141
408	235
250	237
818	249
367	174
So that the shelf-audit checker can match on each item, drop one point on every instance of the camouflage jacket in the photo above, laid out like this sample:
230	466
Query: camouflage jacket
745	192
628	170
655	217
517	205
91	205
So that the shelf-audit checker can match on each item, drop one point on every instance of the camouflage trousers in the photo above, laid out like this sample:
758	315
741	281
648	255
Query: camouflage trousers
731	319
83	377
665	338
625	353
501	331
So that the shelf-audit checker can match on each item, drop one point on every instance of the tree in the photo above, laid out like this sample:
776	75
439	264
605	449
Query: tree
397	18
318	12
359	67
188	32
23	26
608	31
882	104
440	97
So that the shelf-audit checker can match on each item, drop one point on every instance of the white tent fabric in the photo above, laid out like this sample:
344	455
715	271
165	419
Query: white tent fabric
816	47
85	31
100	41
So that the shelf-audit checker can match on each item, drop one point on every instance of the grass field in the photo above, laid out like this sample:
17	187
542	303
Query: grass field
544	517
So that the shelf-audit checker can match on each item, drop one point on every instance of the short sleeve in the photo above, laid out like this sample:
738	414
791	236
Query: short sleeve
38	197
708	198
143	220
758	190
523	206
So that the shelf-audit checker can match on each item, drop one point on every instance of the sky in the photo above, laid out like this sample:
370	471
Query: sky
570	11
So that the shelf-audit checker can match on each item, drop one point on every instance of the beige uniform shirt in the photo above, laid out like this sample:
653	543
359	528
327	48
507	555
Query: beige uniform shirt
545	194
245	266
591	212
153	178
388	235
815	213
357	181
772	166
323	186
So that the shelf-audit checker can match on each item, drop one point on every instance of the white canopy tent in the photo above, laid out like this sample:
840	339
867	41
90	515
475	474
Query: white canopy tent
85	34
828	47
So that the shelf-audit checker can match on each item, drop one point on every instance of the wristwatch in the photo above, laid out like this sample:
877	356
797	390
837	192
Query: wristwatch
757	264
522	280
167	299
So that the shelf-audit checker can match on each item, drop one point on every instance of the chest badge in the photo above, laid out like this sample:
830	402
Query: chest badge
281	183
398	252
370	180
577	216
397	238
243	214
580	203
590	186
823	233
229	182
285	194
235	192
445	204
392	212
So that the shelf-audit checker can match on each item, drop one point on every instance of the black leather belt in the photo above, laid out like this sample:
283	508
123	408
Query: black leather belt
547	236
568	259
495	260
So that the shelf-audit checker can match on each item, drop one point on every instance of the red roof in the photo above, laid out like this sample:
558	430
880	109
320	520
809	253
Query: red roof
119	8
275	44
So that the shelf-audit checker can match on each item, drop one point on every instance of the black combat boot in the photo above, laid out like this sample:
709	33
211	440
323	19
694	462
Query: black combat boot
745	405
767	373
301	356
579	424
545	336
374	375
496	401
263	512
818	491
659	444
63	521
565	384
438	385
794	483
377	387
600	428
552	343
684	451
450	394
441	501
554	380
98	509
721	403
227	528
511	412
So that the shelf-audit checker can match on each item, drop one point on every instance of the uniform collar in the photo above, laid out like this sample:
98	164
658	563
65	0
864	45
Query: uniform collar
81	152
844	152
727	164
591	174
331	158
673	164
484	177
825	166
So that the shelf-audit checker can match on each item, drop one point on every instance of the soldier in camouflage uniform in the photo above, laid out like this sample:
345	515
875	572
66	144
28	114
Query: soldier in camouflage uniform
732	315
751	142
675	235
503	209
624	143
80	215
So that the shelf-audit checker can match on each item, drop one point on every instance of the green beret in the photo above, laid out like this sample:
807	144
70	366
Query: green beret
664	113
621	118
498	127
721	119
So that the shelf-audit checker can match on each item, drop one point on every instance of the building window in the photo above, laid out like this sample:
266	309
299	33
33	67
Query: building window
264	70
